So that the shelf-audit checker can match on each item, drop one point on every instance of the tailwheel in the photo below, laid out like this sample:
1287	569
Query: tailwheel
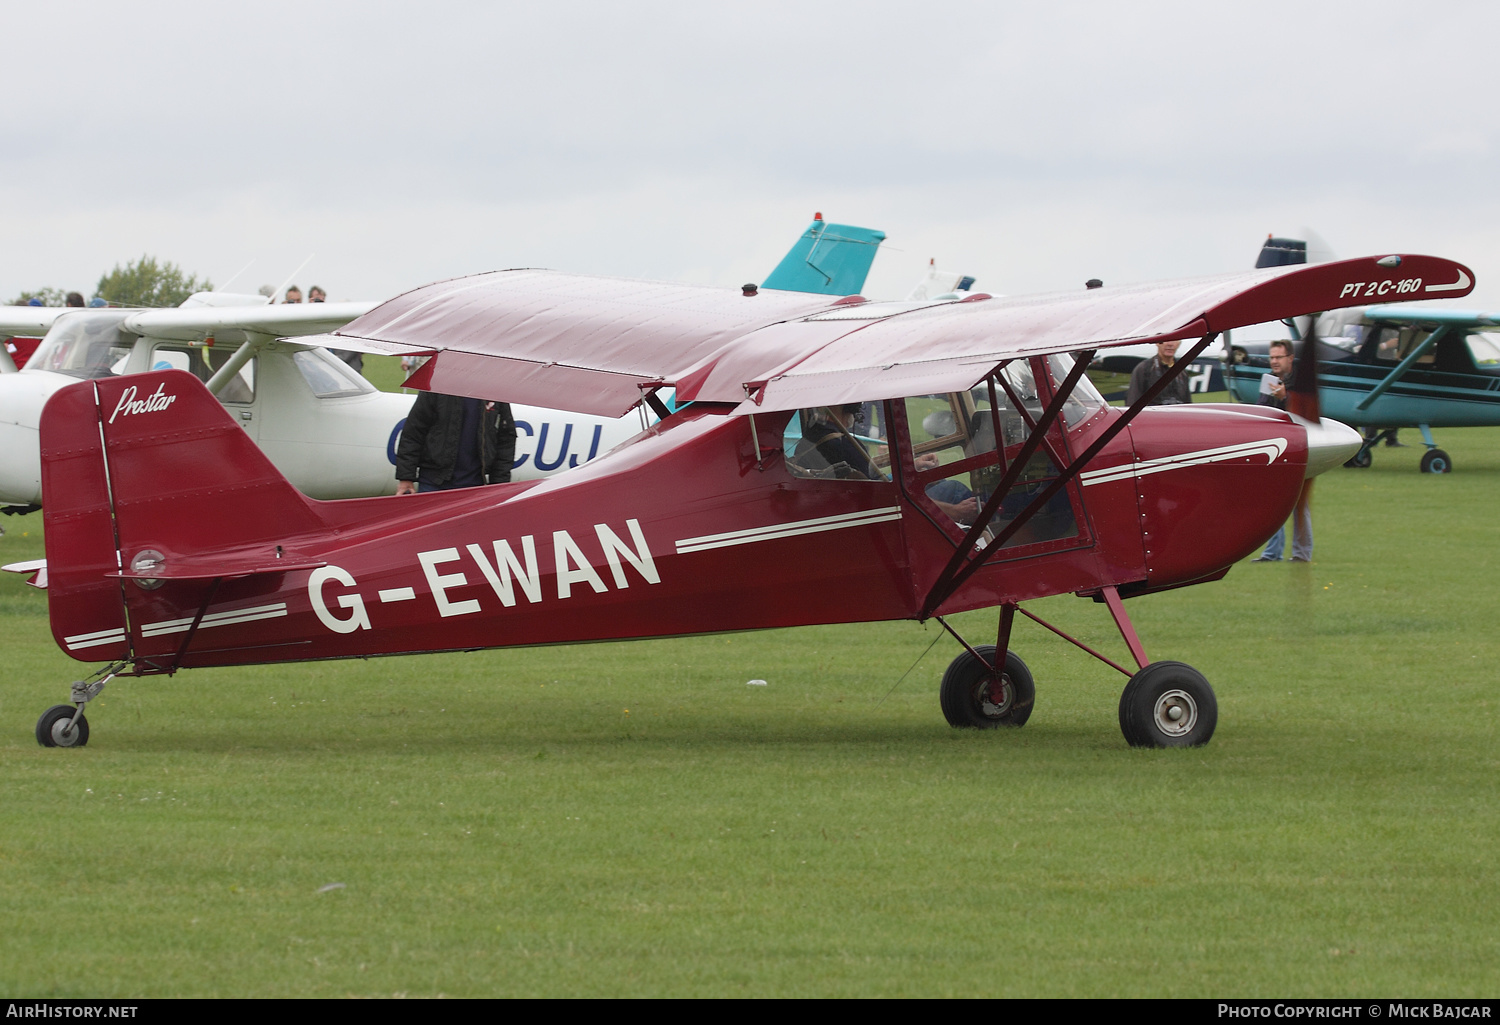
1168	704
1436	461
1360	460
56	727
973	698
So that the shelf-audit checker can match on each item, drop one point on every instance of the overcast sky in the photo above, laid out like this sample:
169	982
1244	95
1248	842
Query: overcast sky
1033	145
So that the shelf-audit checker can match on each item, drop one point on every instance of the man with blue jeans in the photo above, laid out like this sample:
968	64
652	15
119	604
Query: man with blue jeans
1273	393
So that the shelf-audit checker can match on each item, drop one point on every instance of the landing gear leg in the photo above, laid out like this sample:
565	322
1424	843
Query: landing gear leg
975	696
1361	460
1165	704
1434	460
65	725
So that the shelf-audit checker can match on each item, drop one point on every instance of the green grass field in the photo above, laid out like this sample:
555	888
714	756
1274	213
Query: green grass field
632	819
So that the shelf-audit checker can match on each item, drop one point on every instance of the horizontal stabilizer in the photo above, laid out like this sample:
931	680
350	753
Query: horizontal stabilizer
36	567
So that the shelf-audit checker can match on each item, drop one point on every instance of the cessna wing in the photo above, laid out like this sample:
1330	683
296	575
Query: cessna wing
194	323
30	321
598	345
1404	314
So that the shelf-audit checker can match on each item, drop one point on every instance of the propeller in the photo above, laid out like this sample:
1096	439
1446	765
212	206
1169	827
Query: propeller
1302	398
1302	391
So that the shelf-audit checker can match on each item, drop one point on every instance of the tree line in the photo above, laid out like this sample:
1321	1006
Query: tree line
143	282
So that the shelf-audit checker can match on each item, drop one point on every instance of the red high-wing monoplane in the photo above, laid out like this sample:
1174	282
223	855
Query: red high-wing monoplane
999	476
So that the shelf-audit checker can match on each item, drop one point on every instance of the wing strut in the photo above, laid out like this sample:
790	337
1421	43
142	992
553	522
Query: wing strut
237	360
961	567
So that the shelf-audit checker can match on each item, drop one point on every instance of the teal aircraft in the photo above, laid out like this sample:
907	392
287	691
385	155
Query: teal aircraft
1388	366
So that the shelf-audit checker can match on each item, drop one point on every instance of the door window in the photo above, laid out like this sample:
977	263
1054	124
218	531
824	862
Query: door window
959	463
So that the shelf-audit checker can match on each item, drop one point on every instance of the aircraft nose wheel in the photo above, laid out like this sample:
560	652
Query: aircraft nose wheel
973	699
1436	461
1168	704
56	727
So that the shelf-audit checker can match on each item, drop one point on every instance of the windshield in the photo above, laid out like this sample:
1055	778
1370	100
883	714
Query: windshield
1084	400
1485	348
327	375
84	345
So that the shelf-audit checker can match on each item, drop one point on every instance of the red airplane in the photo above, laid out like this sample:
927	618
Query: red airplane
999	476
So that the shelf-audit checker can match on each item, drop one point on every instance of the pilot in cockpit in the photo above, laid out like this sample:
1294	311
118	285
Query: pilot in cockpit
828	449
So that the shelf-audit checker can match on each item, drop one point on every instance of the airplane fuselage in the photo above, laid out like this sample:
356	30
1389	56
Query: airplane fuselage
698	524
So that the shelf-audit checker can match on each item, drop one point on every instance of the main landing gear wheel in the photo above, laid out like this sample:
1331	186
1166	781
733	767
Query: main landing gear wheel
1436	461
1168	704
973	699
1360	460
56	728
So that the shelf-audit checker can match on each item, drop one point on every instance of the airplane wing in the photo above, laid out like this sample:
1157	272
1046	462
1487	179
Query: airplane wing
1404	314
30	321
568	341
193	323
595	344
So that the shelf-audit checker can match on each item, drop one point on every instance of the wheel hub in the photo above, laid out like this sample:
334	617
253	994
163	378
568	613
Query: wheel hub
1176	713
995	696
64	734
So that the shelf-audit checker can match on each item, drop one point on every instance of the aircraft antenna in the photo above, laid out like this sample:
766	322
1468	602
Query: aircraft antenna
290	278
225	284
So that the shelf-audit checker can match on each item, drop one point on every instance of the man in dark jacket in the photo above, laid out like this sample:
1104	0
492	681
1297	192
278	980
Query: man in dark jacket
1148	371
452	442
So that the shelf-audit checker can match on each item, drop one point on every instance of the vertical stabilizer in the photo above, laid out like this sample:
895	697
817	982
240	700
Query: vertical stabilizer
150	469
1281	252
829	259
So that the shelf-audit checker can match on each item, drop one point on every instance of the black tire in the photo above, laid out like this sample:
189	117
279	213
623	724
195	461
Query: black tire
1436	461
50	727
1361	460
1158	693
966	698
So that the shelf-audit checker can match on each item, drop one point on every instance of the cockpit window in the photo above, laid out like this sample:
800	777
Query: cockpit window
85	345
1084	400
201	363
1394	344
327	375
824	442
1485	348
959	463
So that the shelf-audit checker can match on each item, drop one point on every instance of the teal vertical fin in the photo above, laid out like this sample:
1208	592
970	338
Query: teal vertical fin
829	259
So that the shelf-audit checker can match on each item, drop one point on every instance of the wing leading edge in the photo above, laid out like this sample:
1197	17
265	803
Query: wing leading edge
594	344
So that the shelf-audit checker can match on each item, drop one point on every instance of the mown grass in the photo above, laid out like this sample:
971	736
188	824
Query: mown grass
632	819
